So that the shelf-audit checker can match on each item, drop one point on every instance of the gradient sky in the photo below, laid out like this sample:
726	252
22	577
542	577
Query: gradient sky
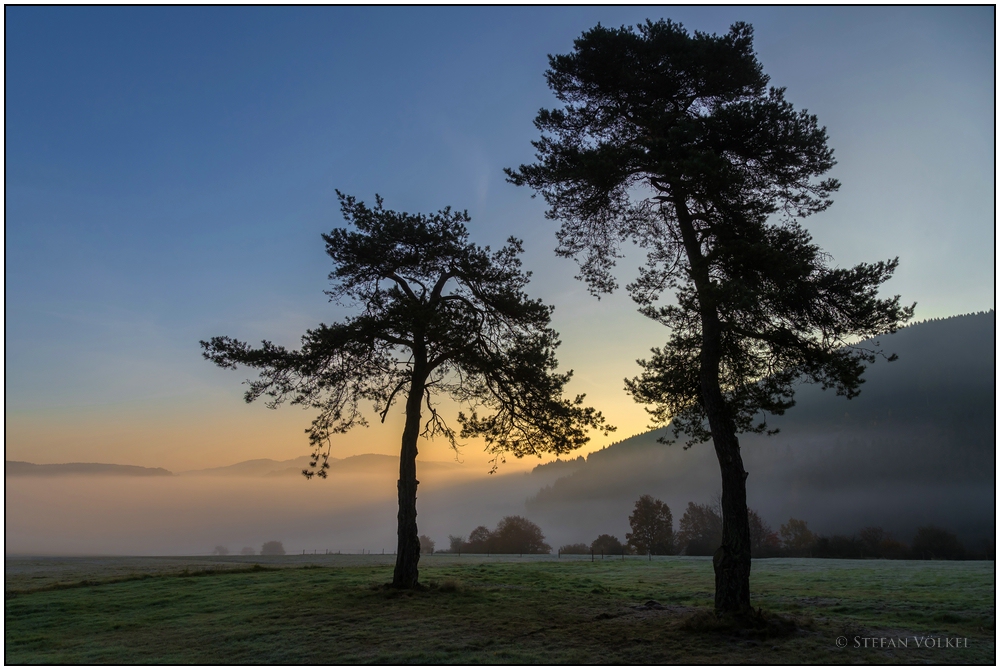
169	172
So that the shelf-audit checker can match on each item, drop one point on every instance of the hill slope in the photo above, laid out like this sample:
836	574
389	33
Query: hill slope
257	467
916	447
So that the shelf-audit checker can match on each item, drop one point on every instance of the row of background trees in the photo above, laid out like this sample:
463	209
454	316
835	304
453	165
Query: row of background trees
513	535
700	534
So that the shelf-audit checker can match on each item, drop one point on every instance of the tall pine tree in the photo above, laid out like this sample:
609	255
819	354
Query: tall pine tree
674	141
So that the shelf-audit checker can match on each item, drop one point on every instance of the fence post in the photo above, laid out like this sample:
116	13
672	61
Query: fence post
591	555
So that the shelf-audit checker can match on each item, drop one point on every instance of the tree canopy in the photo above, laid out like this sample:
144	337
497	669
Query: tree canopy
434	307
700	532
675	142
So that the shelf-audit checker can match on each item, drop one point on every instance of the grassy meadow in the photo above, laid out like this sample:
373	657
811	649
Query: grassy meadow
485	610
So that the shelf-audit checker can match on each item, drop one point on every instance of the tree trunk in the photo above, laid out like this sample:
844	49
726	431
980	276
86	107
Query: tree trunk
732	559
408	543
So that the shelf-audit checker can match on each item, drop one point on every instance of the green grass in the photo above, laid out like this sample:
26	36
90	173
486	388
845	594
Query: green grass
479	610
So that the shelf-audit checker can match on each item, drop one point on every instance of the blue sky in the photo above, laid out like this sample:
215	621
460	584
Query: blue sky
169	172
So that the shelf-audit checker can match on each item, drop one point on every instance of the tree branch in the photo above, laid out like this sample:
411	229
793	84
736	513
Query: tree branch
439	285
388	403
403	285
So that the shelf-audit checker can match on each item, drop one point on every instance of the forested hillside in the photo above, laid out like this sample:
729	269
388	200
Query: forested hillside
916	447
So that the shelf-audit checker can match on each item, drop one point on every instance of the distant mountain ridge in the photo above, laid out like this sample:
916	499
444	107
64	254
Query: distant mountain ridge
368	463
25	469
258	467
917	446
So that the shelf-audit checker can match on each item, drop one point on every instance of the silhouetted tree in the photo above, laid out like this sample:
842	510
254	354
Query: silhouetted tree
674	141
932	542
652	527
272	548
607	545
439	315
456	544
700	532
426	545
764	542
796	537
517	535
578	548
220	551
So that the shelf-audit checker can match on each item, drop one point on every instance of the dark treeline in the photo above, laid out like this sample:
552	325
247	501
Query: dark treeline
700	534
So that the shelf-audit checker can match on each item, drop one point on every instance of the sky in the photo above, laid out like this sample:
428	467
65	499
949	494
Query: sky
169	172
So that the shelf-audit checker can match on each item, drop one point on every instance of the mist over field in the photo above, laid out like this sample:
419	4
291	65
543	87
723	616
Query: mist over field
916	447
354	509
